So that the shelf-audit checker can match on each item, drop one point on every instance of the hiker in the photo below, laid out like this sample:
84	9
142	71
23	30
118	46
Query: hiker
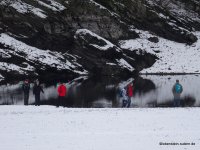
177	90
37	88
26	89
124	97
129	93
62	91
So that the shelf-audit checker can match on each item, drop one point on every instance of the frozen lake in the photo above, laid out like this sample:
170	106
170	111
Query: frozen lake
149	91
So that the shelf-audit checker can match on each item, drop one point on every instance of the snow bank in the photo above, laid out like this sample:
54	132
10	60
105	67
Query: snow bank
49	128
173	57
23	7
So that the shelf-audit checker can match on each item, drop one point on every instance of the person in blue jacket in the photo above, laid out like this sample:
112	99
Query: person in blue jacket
177	90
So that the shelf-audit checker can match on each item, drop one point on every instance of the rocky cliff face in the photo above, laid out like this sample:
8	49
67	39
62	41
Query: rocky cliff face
76	37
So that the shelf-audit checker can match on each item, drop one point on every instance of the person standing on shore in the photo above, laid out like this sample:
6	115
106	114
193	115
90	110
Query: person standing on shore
37	89
177	90
129	93
124	97
26	89
62	91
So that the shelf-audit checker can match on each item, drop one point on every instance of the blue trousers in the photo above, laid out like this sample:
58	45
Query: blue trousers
127	102
177	102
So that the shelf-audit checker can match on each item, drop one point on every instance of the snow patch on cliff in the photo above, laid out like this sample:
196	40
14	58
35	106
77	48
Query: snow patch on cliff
24	8
173	57
83	32
38	56
53	5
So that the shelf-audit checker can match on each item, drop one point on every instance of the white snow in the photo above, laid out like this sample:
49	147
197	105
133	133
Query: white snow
23	7
4	54
50	128
176	8
1	77
125	64
44	57
104	8
12	67
53	5
83	32
111	64
173	57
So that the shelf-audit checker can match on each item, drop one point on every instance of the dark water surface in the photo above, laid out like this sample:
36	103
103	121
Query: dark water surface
149	91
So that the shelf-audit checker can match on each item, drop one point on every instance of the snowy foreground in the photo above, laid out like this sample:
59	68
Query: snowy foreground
50	128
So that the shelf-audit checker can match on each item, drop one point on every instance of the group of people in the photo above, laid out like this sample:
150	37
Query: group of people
37	89
125	93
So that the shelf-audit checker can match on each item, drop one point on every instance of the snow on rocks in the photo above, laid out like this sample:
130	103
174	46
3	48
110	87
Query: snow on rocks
176	8
4	54
82	34
38	56
108	129
8	67
1	77
52	4
104	8
125	64
173	57
23	7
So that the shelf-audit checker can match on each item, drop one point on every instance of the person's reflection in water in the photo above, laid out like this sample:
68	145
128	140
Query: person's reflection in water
177	90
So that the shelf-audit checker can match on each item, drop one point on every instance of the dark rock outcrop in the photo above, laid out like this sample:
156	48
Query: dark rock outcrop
54	27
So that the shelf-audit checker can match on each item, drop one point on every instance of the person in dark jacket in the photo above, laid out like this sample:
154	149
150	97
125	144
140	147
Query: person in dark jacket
26	89
62	91
177	90
37	88
124	97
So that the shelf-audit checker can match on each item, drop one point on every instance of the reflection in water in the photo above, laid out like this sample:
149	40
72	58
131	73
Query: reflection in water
150	91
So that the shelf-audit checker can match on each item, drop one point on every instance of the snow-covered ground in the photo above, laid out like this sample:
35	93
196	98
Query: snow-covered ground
173	57
50	128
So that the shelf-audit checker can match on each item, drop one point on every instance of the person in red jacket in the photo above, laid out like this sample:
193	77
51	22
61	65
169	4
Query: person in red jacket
129	93
62	91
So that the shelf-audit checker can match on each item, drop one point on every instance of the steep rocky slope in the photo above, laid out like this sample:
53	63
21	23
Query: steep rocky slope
76	37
